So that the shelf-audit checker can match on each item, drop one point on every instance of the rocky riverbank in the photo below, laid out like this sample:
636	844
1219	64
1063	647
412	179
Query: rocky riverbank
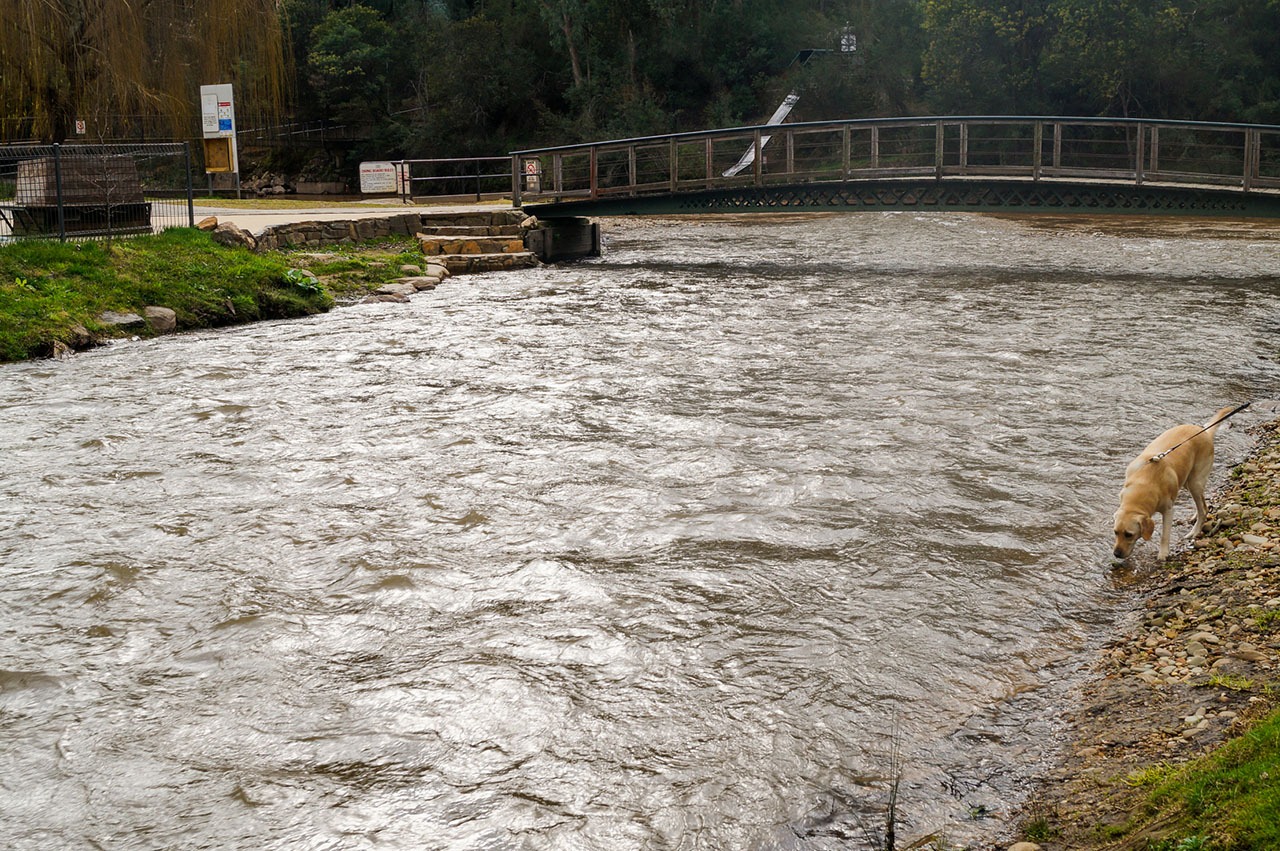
1195	667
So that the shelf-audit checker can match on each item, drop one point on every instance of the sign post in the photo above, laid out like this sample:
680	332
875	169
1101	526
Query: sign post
218	120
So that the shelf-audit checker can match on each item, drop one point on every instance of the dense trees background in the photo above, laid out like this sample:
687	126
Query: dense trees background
129	67
471	77
485	76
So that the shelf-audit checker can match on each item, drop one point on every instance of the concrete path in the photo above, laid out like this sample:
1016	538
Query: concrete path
257	220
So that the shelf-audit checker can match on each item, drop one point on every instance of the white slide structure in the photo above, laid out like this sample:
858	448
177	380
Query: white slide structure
779	115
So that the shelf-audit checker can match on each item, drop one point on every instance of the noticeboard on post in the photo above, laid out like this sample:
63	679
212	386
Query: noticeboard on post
378	178
218	123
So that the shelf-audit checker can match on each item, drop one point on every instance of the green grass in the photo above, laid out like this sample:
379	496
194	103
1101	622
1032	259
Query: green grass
47	289
1227	800
351	270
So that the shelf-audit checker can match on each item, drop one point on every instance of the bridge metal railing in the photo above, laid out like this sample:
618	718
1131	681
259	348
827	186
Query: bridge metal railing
1131	151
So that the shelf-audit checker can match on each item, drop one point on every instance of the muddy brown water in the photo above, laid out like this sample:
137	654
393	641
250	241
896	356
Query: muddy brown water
669	550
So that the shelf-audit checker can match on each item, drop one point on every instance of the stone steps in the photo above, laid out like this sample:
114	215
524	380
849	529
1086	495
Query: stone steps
433	246
471	230
464	264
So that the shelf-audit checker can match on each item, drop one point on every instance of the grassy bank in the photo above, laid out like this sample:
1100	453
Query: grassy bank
54	293
1176	744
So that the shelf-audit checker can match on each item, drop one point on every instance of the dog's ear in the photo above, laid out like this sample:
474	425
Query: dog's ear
1148	528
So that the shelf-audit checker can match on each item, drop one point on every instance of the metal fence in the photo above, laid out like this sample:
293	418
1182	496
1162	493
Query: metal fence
454	178
94	191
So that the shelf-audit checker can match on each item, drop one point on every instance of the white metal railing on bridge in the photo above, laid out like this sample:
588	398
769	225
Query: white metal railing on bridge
1135	151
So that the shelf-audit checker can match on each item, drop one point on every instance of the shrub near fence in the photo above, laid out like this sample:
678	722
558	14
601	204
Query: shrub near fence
94	191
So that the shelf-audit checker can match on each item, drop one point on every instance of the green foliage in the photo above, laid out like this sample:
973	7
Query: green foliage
349	62
52	292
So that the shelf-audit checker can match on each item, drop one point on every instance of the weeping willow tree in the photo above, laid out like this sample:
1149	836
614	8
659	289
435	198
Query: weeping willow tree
126	66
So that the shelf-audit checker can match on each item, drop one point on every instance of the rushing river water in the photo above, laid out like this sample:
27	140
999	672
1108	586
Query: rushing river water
670	550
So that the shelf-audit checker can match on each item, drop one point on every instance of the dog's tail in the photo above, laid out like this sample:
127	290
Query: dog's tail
1222	416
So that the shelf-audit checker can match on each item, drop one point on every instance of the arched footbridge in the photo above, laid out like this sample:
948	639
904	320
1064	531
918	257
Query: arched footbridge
988	164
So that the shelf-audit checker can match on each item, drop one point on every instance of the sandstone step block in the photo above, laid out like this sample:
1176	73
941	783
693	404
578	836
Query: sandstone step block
474	230
483	218
434	246
463	264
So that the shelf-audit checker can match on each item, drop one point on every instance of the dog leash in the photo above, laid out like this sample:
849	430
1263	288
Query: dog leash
1226	416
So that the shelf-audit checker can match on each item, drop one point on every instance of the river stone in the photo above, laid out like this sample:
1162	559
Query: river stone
1248	655
228	234
420	283
79	337
396	288
161	319
120	320
207	223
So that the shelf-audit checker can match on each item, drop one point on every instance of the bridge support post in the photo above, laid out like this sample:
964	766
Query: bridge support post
564	239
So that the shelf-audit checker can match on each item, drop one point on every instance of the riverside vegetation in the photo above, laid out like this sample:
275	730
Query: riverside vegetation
53	296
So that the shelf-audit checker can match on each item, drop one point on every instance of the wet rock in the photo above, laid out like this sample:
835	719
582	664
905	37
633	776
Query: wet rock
80	338
421	283
398	289
120	320
161	319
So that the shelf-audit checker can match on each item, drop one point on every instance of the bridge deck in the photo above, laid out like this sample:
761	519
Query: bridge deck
991	163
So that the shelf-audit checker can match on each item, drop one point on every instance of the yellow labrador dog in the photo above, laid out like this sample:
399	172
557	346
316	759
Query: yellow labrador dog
1181	458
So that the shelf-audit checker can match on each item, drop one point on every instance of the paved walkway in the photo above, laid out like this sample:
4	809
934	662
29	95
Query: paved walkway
257	220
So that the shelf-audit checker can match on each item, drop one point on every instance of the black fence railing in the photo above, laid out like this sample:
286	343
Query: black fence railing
94	191
454	178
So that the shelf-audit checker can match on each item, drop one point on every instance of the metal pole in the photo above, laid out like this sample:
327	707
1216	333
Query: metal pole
844	143
477	180
1252	157
191	195
674	157
937	151
517	170
57	177
759	157
1037	155
1137	163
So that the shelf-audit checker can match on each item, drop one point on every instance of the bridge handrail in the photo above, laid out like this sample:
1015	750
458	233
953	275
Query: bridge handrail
920	120
1234	159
